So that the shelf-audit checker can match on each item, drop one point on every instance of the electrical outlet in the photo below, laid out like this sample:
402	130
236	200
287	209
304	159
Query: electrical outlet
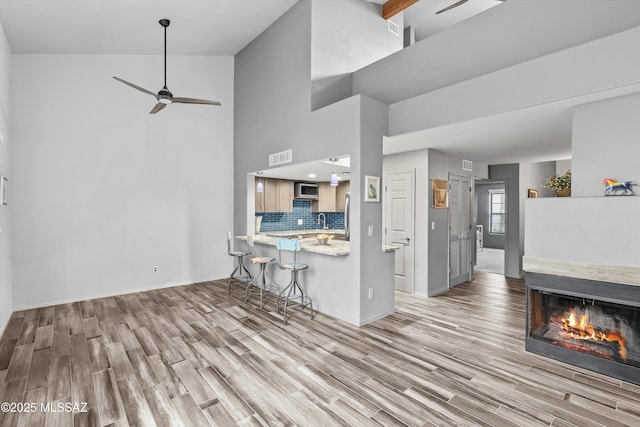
299	222
370	293
155	268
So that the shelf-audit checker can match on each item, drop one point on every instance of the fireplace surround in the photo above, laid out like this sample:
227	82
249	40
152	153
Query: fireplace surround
591	324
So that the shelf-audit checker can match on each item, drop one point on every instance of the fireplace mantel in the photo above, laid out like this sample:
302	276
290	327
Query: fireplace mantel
583	270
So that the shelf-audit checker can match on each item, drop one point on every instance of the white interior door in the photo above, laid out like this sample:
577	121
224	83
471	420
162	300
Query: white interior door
460	229
399	226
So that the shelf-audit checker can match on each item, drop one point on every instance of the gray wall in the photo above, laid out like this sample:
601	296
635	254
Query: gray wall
519	178
495	241
273	113
440	165
605	144
510	174
103	191
6	285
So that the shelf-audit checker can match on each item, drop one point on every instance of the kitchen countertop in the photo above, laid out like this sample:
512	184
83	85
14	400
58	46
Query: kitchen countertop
309	243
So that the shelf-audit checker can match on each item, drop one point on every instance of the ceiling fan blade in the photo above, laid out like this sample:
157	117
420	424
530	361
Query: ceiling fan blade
194	101
159	106
141	89
456	4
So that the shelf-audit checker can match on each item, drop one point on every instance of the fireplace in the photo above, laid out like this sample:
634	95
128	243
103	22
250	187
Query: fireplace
594	325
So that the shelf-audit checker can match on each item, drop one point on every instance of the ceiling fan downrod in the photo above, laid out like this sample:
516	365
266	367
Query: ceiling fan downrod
165	23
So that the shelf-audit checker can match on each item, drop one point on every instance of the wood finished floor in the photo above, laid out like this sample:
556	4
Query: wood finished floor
194	356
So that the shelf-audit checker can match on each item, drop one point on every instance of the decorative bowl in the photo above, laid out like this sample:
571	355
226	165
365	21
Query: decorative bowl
323	239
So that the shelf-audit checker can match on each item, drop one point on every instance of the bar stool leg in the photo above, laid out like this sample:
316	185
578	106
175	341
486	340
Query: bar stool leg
293	287
239	268
287	288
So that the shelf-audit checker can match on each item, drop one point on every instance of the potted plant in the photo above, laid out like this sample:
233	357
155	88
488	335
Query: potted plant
561	184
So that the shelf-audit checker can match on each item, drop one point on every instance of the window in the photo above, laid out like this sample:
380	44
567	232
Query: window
497	212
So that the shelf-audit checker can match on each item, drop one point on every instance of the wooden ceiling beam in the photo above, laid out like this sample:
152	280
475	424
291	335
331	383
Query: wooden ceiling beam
393	7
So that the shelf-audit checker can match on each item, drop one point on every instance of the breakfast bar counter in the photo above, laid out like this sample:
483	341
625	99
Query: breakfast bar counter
336	246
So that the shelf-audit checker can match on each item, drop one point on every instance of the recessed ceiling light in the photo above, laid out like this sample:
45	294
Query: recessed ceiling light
311	175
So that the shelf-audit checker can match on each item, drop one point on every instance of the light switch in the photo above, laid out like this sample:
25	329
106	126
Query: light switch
370	230
433	225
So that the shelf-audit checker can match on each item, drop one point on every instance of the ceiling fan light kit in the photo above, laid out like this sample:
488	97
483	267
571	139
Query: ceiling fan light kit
164	96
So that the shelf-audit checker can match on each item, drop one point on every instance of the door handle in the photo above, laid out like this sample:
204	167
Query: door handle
405	243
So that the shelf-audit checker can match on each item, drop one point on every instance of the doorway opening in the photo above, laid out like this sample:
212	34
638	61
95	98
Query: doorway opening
491	225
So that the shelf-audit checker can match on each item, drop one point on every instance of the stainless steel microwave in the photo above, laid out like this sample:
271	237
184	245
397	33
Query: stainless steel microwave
306	190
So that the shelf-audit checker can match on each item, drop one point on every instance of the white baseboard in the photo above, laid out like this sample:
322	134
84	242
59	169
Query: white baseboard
107	295
375	317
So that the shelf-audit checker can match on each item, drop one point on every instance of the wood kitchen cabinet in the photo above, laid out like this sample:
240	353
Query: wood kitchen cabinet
343	188
277	196
326	197
330	198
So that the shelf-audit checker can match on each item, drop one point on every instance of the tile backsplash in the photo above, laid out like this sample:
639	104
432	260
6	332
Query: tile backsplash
283	221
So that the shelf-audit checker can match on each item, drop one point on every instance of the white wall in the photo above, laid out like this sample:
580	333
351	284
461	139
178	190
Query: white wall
103	191
6	288
607	232
347	35
344	42
498	39
562	166
593	67
532	176
605	144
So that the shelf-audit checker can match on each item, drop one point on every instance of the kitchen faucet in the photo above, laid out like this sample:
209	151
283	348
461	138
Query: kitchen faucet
324	220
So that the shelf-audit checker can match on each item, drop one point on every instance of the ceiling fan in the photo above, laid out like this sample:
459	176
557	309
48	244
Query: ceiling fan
164	97
456	4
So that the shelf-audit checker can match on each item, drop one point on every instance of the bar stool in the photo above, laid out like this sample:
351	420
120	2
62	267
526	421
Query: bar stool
240	267
263	261
292	245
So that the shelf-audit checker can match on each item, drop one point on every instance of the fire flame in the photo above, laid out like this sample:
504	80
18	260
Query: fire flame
582	329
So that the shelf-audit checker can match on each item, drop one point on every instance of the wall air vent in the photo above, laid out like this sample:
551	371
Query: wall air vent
281	157
467	165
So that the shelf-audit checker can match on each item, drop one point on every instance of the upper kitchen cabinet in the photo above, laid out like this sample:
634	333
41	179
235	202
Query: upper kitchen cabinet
343	188
326	198
277	196
330	198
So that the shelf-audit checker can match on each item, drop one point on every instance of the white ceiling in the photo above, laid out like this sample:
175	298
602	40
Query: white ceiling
421	16
224	27
198	27
322	169
130	27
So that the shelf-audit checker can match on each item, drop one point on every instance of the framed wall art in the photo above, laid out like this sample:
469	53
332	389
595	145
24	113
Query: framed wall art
371	188
439	197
